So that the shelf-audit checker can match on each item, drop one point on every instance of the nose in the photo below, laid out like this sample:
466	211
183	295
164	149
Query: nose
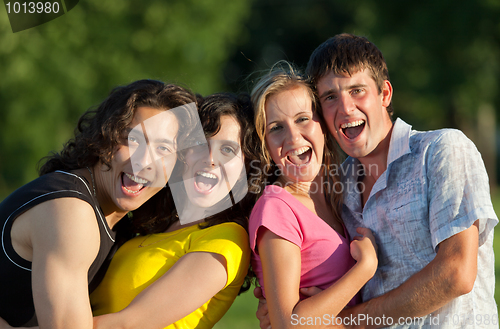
209	158
293	135
142	159
346	104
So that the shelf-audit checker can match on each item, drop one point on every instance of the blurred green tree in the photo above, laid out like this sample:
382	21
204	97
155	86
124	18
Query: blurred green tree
443	57
52	73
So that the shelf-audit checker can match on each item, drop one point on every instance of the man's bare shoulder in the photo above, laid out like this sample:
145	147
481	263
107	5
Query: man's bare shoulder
64	223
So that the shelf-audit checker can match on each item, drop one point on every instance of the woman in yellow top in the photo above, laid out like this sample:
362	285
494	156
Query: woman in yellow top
188	274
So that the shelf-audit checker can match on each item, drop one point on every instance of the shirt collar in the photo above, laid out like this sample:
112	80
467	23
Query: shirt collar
400	141
399	146
350	170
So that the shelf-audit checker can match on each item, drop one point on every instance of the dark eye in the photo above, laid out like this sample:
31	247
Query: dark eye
227	150
274	128
302	119
164	150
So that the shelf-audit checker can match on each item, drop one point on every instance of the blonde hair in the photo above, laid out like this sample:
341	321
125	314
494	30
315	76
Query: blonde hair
281	77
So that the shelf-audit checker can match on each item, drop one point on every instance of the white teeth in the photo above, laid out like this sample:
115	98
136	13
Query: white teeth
352	124
206	174
138	180
130	191
300	151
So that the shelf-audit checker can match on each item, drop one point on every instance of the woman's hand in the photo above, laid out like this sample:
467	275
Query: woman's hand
364	250
262	310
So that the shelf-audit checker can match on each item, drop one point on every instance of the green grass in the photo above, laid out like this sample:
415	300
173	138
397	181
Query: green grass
241	315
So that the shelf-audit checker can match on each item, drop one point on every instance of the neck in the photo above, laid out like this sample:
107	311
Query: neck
375	163
191	213
111	215
108	207
114	218
306	188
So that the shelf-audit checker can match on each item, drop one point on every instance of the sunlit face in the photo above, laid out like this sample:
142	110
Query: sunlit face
293	135
144	161
212	170
355	112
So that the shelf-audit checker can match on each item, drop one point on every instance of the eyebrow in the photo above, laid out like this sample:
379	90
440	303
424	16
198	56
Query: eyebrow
232	143
128	131
164	140
270	123
296	115
224	142
334	91
301	113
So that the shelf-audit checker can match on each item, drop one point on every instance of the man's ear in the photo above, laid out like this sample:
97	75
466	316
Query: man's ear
386	93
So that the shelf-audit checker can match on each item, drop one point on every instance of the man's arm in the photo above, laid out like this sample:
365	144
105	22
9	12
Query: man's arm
65	240
450	274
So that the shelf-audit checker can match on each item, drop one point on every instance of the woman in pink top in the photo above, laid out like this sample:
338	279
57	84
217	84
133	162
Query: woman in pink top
296	234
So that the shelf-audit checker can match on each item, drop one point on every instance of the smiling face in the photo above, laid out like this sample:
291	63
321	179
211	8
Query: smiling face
355	112
212	170
143	162
293	134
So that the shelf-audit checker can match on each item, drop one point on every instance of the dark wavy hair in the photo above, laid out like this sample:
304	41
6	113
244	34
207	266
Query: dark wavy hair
100	131
211	109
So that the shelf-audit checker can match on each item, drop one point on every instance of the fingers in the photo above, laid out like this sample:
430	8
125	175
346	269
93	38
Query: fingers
310	291
262	314
257	292
364	231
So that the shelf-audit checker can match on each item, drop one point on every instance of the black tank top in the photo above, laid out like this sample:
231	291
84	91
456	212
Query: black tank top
16	300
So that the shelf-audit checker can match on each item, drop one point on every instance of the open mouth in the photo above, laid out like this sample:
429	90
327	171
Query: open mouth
205	181
133	184
300	157
352	129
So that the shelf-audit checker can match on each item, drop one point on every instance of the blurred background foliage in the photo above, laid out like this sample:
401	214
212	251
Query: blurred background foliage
443	58
52	73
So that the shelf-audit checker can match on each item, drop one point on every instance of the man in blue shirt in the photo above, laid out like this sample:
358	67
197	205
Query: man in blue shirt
425	196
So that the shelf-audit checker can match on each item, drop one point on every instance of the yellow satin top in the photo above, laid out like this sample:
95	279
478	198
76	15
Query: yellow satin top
144	259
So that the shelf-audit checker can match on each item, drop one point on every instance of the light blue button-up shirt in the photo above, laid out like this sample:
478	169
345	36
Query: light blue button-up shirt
435	186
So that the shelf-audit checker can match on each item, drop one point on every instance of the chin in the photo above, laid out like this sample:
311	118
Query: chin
131	206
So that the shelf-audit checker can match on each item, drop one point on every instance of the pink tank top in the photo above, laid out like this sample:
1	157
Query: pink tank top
325	254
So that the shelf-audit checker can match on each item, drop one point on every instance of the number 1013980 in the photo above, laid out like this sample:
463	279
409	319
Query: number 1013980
32	7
